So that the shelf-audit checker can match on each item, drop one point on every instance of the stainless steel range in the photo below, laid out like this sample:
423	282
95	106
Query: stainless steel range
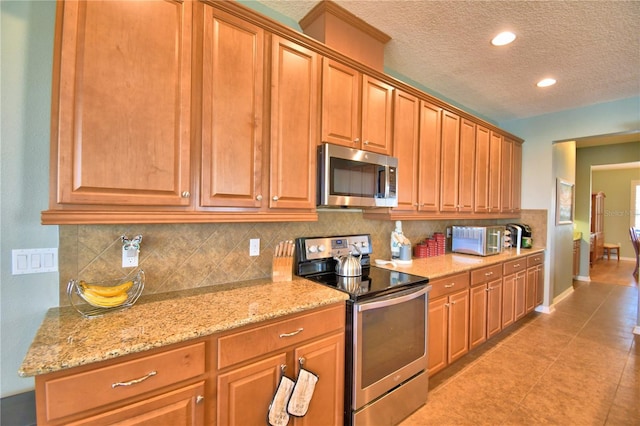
386	339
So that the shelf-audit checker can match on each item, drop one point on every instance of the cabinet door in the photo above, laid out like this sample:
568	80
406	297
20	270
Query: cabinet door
405	147
540	284
508	300
429	154
340	104
325	358
494	307
516	181
232	97
294	127
477	315
466	165
244	394
458	337
495	147
121	124
438	326
182	407
520	288
377	102
450	153
530	289
506	176
481	199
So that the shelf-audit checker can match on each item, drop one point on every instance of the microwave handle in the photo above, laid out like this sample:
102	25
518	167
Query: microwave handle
498	241
394	299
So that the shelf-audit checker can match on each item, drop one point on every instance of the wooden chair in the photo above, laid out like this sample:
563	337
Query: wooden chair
635	241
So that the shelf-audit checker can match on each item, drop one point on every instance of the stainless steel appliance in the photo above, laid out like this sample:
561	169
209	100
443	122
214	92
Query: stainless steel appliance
386	338
350	177
478	240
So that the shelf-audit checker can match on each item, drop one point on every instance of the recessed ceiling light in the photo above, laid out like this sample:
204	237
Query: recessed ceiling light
503	38
546	82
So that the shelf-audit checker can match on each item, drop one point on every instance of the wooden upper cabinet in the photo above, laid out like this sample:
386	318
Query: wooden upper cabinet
294	125
406	127
232	111
429	154
450	152
377	98
495	148
511	180
121	103
481	199
356	109
466	166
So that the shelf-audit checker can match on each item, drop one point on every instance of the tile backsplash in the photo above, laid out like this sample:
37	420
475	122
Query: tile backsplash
181	256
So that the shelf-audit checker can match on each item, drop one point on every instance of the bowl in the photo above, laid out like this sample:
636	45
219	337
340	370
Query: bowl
93	299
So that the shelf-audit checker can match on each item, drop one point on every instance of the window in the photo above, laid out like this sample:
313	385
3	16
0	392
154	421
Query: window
635	203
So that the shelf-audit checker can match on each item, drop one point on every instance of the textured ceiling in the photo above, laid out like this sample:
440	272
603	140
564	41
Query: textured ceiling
592	48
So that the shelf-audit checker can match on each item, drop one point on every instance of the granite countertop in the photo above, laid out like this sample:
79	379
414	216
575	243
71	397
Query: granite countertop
65	339
440	266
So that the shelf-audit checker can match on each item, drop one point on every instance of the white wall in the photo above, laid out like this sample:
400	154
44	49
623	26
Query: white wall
27	51
538	173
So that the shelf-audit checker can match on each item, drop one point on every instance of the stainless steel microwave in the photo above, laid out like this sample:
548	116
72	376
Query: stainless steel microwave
478	240
349	177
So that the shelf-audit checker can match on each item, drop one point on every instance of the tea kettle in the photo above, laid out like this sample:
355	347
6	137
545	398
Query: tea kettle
349	265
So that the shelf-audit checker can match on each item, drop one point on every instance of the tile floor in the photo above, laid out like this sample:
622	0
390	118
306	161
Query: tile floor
579	365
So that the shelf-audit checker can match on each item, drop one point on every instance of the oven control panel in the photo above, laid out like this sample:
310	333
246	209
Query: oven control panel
324	247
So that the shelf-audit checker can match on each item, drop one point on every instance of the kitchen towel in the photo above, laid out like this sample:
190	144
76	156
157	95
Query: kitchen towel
278	415
302	393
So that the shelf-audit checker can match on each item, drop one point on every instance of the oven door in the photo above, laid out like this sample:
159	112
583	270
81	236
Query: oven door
390	342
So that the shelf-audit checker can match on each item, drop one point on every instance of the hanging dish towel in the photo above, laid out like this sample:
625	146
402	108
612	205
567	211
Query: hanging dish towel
278	408
302	393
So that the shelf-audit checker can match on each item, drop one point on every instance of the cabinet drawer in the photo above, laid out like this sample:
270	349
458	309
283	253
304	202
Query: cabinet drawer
83	391
514	266
537	259
482	275
258	341
449	284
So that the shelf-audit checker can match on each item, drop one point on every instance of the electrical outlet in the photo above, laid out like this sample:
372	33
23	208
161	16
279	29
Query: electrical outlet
254	247
129	258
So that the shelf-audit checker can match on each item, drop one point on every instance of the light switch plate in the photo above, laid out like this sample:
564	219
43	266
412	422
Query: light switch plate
34	261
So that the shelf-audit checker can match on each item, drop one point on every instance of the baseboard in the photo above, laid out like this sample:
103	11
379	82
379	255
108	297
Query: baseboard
636	330
545	309
559	298
18	410
584	278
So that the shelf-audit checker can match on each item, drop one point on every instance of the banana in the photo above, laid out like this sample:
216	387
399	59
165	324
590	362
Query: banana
107	291
97	300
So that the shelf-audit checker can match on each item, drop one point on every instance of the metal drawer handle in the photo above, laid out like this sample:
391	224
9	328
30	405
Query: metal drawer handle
449	285
488	274
516	265
293	333
134	381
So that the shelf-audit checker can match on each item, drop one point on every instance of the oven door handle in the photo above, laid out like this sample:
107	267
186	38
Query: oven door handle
394	299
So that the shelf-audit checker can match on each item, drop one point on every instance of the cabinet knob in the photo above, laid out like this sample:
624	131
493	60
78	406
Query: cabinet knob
185	194
356	140
275	198
259	197
199	399
366	142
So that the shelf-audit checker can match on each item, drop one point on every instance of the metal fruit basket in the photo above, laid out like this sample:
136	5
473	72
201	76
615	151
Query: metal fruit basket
98	298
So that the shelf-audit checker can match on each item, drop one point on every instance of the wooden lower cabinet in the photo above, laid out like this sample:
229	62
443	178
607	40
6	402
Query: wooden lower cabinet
180	407
448	321
164	387
246	387
576	257
535	276
485	318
